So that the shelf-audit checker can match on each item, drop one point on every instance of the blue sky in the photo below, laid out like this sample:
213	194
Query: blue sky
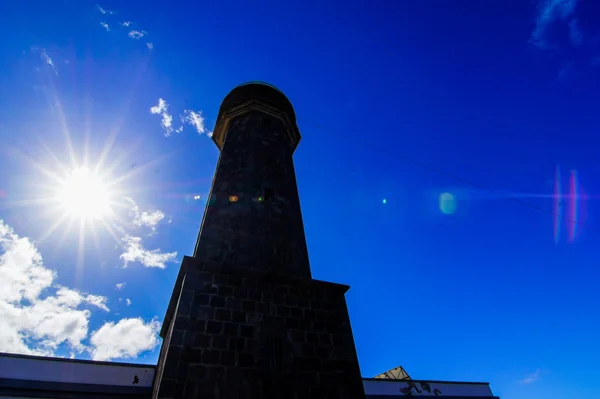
503	94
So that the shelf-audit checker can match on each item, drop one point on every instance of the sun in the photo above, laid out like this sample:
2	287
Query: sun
83	195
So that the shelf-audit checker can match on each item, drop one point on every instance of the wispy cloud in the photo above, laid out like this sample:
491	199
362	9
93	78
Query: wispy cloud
136	34
167	120
195	119
127	301
132	33
134	251
533	377
120	286
98	301
103	10
189	117
145	218
45	57
550	12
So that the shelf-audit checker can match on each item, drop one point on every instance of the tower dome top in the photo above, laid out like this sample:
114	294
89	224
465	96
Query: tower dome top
256	95
261	91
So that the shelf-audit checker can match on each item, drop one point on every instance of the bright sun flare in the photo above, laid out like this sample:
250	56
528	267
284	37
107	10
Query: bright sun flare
84	195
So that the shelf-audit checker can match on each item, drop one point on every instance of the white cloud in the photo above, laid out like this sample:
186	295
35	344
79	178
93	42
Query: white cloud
150	45
161	107
136	34
126	23
167	120
549	12
24	275
209	134
105	26
98	301
146	218
125	339
195	119
135	252
120	286
103	10
533	377
31	323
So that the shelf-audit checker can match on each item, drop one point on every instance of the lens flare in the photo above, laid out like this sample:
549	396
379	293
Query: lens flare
447	203
570	207
573	210
557	211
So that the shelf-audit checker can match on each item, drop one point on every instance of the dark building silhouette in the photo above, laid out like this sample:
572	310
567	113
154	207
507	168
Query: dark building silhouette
246	319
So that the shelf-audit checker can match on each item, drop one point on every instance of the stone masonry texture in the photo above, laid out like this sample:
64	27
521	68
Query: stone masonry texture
246	319
218	344
263	227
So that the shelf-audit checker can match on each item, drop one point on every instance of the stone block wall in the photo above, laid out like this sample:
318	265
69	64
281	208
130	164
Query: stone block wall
252	336
168	333
253	217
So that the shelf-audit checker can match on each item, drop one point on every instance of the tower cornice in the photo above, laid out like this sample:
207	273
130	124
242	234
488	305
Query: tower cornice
256	97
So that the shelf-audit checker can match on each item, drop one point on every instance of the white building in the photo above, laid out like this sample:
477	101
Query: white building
24	376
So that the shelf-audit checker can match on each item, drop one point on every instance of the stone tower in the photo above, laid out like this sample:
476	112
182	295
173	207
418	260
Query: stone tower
246	319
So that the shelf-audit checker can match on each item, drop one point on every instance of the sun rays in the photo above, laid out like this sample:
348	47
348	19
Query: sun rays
77	189
76	195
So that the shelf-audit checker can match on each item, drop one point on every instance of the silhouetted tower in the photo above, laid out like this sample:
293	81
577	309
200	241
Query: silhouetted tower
246	319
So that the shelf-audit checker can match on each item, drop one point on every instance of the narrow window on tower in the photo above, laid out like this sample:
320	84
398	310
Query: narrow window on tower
274	354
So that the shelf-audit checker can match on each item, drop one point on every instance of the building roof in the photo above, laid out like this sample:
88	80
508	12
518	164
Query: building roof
45	377
36	376
397	373
262	91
